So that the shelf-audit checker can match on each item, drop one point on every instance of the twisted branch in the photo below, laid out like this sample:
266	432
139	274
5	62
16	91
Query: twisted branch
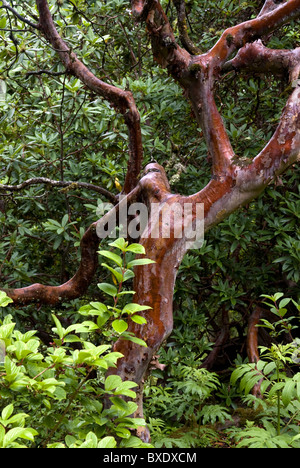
59	183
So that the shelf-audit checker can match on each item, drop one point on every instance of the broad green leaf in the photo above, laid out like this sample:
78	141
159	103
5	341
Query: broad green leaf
134	339
119	403
120	243
288	392
7	412
65	220
112	256
128	275
112	382
107	442
18	432
284	302
138	319
108	289
119	325
122	431
102	319
117	273
131	308
136	248
6	330
11	369
4	299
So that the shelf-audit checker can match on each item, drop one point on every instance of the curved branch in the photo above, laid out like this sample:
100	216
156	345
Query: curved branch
76	286
59	183
237	36
256	57
165	49
182	26
122	100
269	5
15	13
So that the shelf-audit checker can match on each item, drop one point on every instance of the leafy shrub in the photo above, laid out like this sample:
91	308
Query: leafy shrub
280	415
57	392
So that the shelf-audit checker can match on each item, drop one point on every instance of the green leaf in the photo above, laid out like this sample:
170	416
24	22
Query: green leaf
112	256
18	432
65	220
131	337
138	319
108	289
6	330
119	326
128	275
59	329
278	295
284	302
4	299
288	392
107	442
136	248
11	369
112	382
119	403
2	434
140	261
120	243
117	273
7	412
131	308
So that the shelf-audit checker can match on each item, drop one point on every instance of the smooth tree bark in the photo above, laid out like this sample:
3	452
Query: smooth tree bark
233	182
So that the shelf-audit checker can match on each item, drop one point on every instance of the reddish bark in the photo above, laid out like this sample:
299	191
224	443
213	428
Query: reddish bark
232	184
252	344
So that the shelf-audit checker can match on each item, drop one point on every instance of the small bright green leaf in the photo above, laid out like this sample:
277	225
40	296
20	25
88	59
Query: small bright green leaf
4	299
112	256
59	329
140	261
120	243
112	382
107	442
7	412
131	308
119	325
138	319
136	248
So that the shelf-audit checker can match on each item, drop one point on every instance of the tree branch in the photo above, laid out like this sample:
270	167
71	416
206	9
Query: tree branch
257	58
237	36
123	101
182	26
76	286
15	13
58	183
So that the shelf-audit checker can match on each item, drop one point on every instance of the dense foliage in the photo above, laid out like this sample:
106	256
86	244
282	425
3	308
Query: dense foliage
52	127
